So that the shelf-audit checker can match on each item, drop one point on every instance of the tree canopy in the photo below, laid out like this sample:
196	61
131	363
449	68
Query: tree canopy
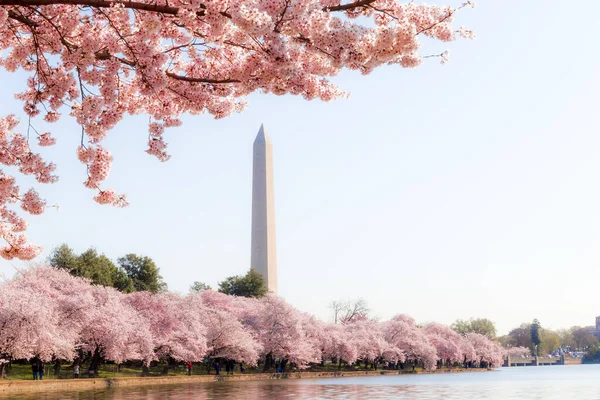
199	286
143	272
482	326
98	61
250	285
535	332
80	320
91	265
134	273
349	311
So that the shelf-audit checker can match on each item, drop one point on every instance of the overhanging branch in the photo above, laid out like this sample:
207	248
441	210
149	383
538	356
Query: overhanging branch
201	80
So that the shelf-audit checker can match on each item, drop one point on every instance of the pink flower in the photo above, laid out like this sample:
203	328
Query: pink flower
164	71
46	140
32	203
109	196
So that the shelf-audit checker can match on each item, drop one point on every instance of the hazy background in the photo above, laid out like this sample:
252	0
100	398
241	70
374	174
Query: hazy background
456	191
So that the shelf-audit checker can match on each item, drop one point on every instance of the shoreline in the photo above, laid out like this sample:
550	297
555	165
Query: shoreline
13	386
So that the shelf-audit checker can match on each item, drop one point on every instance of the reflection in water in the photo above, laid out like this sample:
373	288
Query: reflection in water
543	383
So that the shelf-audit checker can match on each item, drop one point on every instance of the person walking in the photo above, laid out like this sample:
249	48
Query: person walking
41	370
242	368
34	369
218	368
227	367
189	368
76	370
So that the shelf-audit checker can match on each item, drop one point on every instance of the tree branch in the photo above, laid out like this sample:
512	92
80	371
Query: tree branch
21	18
153	7
201	80
350	6
95	3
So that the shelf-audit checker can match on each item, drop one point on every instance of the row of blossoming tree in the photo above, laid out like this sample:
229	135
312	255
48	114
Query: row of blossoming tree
47	313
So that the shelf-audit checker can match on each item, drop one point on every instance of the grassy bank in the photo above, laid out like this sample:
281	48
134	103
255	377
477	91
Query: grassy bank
27	385
106	371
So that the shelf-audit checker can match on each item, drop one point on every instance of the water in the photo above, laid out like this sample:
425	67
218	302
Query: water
578	382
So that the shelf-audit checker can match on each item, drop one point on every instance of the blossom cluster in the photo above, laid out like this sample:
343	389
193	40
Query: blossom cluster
143	326
517	352
100	61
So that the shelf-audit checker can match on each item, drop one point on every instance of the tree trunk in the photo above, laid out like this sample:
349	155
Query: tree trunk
95	361
56	369
268	362
340	365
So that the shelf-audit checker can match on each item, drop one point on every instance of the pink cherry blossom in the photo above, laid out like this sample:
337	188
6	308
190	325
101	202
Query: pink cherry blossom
46	139
402	332
75	315
486	350
446	342
97	62
177	328
518	352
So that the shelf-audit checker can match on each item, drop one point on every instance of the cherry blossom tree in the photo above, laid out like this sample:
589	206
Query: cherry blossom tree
487	351
402	332
446	341
367	337
100	60
107	324
178	329
339	345
115	330
226	337
283	335
29	328
518	352
42	313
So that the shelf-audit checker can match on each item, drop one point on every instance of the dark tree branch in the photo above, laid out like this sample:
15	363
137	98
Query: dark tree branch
201	80
95	3
152	7
350	6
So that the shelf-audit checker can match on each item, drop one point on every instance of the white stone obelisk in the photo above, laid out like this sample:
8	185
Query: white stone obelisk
263	255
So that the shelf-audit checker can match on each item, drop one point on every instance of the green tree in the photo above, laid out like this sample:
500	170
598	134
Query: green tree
482	326
143	272
535	336
63	257
96	267
592	356
250	285
505	341
550	341
199	286
521	336
583	338
566	338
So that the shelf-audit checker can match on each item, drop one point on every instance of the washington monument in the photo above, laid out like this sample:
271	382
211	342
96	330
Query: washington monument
263	257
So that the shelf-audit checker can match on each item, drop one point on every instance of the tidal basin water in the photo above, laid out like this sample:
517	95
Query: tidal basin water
578	382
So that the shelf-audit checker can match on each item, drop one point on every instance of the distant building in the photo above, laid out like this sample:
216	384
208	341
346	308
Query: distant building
596	332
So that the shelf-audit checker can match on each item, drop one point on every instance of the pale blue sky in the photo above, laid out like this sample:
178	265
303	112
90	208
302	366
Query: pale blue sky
456	191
